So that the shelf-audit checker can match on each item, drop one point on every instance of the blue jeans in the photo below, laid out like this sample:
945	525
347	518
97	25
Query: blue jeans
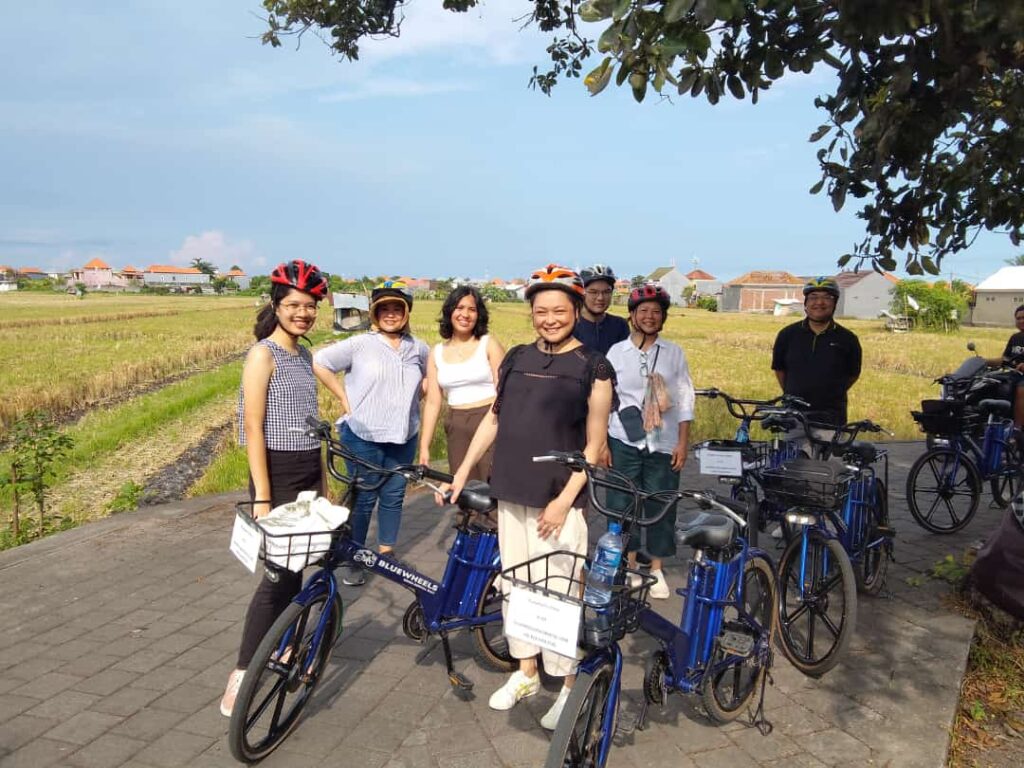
389	497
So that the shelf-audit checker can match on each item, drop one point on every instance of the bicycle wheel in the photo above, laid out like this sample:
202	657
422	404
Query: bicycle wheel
1009	483
815	629
580	737
874	558
729	691
490	637
943	490
274	692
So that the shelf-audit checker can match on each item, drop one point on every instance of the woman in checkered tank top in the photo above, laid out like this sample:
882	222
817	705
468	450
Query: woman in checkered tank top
278	393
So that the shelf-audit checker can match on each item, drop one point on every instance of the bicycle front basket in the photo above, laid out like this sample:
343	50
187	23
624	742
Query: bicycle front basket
561	575
941	417
807	483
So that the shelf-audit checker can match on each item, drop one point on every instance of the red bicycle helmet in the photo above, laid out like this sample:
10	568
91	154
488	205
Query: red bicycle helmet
554	276
648	292
302	276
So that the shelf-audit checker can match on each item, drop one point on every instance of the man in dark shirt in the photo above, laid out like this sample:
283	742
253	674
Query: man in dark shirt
817	359
1013	357
596	328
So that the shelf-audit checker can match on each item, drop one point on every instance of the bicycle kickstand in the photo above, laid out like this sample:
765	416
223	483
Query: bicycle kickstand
462	684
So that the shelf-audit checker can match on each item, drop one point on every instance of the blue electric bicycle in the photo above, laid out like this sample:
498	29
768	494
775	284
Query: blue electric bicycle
721	648
292	657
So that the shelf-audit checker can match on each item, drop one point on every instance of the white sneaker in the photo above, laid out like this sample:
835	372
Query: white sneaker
518	686
550	719
227	703
659	590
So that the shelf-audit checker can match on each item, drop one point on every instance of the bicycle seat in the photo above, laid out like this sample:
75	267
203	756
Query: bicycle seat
476	497
863	452
777	422
996	407
705	530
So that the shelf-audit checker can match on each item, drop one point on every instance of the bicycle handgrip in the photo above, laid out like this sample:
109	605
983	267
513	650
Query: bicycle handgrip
434	474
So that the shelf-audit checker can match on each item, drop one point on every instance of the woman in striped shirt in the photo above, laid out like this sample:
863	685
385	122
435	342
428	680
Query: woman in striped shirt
384	371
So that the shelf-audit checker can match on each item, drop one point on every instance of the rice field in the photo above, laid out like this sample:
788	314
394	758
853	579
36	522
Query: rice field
109	358
64	354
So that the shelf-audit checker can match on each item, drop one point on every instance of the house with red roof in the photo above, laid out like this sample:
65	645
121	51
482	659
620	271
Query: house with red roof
95	275
32	273
8	279
236	276
175	278
759	290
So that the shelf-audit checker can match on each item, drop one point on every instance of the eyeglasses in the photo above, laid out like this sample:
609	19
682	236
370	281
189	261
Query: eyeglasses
292	307
599	294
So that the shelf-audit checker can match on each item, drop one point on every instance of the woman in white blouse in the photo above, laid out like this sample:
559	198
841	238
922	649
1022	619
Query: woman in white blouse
464	370
649	434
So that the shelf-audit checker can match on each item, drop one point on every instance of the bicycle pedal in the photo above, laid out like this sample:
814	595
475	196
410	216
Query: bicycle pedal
459	681
883	530
736	642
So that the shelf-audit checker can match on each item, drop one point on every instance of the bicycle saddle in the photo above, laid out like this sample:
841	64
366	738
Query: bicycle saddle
705	530
476	497
864	452
997	407
778	422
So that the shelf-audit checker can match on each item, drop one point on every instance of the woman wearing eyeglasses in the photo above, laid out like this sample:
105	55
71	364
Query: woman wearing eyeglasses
648	435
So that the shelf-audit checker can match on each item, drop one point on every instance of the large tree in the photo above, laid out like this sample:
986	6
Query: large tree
924	124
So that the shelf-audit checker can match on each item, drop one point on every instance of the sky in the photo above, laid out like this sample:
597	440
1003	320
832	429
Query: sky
150	132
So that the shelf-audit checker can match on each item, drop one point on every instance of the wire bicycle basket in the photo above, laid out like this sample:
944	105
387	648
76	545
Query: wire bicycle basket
561	575
807	483
293	549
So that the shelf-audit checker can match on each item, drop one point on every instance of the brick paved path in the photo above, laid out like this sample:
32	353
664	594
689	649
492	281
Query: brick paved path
117	639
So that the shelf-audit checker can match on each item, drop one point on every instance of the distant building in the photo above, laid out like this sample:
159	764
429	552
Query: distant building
158	275
759	290
132	277
351	312
96	275
32	273
704	283
672	280
8	279
997	296
238	277
865	294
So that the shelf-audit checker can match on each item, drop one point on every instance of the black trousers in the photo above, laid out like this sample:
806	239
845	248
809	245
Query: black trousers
290	473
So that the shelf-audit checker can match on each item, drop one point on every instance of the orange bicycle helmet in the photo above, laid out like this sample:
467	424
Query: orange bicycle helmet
554	276
302	276
648	292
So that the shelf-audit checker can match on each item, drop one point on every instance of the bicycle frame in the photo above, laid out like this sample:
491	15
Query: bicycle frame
851	523
705	597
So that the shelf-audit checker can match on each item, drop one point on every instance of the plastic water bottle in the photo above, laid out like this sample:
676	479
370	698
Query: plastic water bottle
604	566
743	433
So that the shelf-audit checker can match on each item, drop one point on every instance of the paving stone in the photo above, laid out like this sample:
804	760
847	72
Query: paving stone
37	754
188	698
174	749
64	705
22	729
84	727
106	682
12	705
149	724
89	664
163	679
126	701
833	746
45	686
30	669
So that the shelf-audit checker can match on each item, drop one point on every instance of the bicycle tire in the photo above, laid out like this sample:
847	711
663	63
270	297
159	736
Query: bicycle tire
837	582
1006	487
929	483
579	735
277	680
874	561
745	677
491	644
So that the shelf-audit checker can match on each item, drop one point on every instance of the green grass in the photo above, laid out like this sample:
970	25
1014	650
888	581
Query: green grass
228	472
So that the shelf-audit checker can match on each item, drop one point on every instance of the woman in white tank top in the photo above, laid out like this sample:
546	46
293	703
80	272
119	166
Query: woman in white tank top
463	371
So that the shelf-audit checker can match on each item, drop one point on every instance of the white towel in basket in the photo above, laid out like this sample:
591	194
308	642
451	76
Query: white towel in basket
309	513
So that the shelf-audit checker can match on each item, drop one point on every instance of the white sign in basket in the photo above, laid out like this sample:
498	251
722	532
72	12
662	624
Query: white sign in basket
727	463
245	542
544	621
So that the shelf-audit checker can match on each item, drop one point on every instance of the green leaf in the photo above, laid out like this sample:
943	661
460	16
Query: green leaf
735	87
638	82
773	66
687	77
704	10
621	9
844	260
598	78
838	198
609	39
594	10
673	47
929	265
622	74
674	10
913	268
820	133
817	187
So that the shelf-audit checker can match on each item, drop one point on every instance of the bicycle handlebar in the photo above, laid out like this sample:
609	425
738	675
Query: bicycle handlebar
612	480
737	407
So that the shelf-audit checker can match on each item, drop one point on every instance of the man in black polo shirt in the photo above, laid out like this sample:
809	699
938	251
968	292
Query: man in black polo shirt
817	359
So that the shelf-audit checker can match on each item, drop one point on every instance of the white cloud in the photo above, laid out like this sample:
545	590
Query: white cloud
213	246
386	87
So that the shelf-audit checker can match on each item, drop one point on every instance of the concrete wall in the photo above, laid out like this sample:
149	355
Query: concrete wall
756	298
866	298
996	307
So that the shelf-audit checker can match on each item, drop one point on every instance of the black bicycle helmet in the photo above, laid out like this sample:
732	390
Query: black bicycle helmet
302	276
597	272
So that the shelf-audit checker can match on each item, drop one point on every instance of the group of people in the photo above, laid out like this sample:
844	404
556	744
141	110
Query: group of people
590	381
